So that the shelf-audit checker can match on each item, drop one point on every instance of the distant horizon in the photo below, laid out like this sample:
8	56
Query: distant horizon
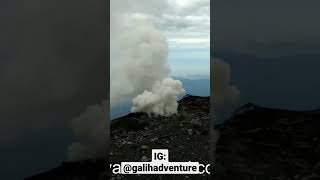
186	62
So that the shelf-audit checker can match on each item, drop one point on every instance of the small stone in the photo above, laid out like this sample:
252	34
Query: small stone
195	121
154	139
190	132
129	143
144	159
144	147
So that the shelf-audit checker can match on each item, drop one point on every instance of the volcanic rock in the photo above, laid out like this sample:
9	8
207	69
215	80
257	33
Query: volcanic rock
266	144
186	135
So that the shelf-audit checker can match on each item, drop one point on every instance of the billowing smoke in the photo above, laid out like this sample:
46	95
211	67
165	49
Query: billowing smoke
223	92
90	132
139	60
161	100
225	95
139	64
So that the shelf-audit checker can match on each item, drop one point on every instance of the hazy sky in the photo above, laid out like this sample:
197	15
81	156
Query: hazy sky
189	63
273	48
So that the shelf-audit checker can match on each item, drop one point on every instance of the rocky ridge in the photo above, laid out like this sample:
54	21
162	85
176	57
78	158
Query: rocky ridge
269	144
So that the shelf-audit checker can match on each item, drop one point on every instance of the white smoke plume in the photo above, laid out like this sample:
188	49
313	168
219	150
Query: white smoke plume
140	60
139	64
226	96
224	93
161	100
90	132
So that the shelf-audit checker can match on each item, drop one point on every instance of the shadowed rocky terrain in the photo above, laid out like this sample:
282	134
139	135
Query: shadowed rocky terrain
132	137
269	144
186	135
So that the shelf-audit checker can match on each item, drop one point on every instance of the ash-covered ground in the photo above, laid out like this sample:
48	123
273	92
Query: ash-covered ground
269	144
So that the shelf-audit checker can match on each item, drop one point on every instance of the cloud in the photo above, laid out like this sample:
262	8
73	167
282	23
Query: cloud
190	6
190	19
